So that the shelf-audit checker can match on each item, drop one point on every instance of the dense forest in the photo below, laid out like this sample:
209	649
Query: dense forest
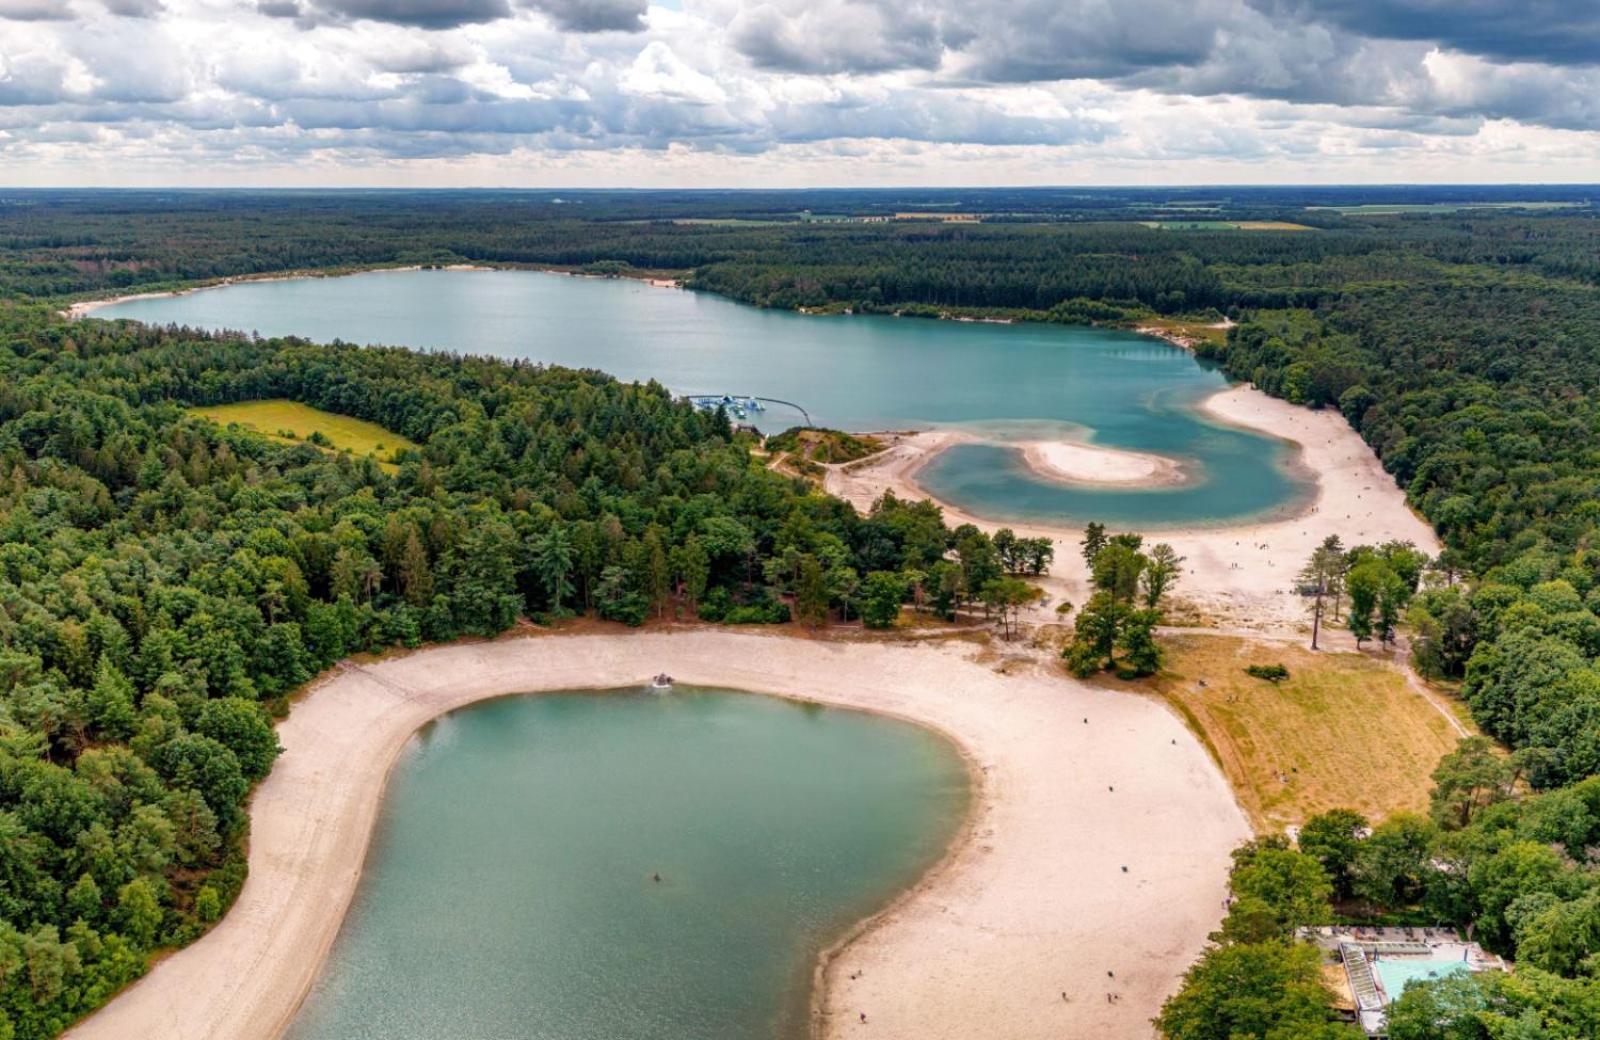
164	582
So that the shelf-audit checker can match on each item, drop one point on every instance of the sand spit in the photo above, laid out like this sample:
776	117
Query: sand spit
1059	880
1240	575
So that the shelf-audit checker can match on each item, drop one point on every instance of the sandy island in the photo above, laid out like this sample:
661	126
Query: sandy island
1240	575
1058	880
1080	463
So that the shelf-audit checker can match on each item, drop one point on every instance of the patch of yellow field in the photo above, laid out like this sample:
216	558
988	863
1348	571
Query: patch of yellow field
291	422
1343	731
1271	225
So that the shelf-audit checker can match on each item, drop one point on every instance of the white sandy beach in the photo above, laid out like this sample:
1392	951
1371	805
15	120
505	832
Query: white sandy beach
1237	576
1058	881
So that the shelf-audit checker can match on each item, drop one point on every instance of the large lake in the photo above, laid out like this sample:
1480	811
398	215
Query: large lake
509	890
859	372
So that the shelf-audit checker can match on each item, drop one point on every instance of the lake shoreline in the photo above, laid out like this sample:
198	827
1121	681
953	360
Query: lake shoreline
1350	495
84	308
1014	909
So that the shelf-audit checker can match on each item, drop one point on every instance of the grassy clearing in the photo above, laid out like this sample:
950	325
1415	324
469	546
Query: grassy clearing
1344	730
291	422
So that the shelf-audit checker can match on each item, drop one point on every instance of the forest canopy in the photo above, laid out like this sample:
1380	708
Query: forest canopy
165	582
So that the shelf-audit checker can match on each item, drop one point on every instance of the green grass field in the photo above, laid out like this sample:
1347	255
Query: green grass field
291	422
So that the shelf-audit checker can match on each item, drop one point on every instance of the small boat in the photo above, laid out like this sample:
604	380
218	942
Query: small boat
661	682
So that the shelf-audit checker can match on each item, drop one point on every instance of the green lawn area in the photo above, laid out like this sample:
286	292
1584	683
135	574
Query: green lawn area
291	422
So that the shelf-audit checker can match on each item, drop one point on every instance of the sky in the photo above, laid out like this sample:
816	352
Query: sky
796	93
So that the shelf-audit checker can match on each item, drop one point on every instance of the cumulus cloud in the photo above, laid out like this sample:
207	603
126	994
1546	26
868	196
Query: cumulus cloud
894	85
829	36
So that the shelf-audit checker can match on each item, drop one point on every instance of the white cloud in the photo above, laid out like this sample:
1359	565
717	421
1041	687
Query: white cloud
745	91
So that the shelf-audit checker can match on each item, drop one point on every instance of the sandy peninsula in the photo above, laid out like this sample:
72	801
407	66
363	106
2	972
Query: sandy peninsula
1235	576
1097	844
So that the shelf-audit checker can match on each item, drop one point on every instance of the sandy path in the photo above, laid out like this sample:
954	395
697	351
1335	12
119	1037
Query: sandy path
1034	904
1235	576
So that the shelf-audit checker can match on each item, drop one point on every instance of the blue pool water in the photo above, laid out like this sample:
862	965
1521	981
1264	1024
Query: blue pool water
1397	974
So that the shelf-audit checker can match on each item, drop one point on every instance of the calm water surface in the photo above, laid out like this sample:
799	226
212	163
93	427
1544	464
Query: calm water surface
508	894
859	373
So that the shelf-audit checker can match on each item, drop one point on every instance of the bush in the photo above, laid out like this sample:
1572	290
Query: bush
1273	673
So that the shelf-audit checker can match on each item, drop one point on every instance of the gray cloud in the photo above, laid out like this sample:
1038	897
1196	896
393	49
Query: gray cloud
423	14
593	15
841	36
1339	52
413	79
135	8
1553	32
35	10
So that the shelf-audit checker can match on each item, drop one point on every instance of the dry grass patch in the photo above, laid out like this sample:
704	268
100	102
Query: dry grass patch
1344	730
1192	331
290	422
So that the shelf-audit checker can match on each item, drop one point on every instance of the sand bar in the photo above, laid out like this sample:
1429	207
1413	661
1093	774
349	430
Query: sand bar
1075	462
1234	576
1033	903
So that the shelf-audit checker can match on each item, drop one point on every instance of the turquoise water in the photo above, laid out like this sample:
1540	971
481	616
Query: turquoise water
509	894
860	373
1396	974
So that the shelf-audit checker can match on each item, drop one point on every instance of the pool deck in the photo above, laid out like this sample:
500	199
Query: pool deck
1378	963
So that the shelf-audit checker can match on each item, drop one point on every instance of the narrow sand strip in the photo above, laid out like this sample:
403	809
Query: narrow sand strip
1240	575
1060	878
